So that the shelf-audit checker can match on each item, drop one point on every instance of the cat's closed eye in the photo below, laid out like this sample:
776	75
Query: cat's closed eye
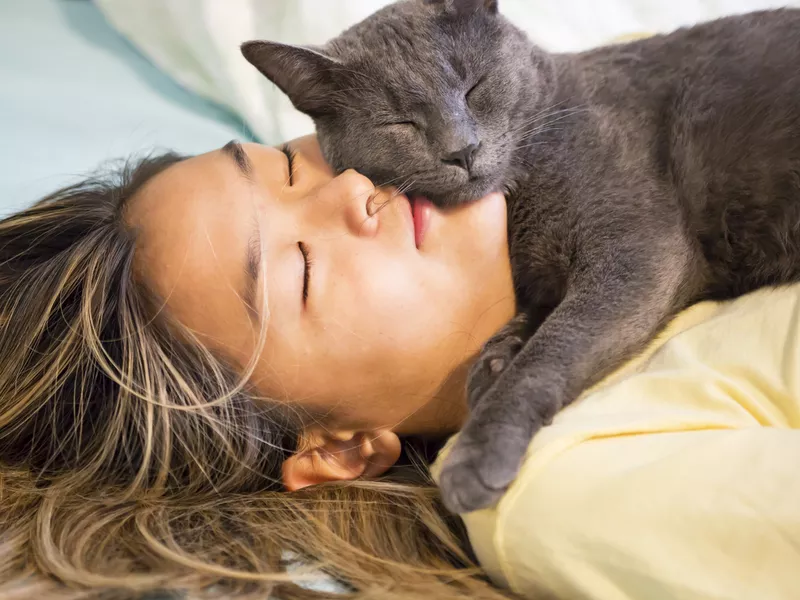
471	93
408	124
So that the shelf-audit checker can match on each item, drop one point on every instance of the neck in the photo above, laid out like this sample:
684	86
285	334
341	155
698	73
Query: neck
447	410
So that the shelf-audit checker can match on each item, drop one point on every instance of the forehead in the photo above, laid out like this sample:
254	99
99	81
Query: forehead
188	248
412	49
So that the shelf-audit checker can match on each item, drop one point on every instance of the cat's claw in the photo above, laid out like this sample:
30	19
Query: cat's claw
488	453
495	357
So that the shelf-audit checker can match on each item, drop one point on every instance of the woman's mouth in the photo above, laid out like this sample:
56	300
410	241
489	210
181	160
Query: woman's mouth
421	209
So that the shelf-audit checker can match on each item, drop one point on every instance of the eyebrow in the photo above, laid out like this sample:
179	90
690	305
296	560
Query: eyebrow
252	267
234	150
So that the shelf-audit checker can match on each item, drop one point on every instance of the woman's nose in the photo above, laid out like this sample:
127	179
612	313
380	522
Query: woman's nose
349	196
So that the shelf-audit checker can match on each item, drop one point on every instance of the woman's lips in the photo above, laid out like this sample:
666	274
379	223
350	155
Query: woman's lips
421	209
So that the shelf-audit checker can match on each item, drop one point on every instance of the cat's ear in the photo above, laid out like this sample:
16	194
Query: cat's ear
306	75
463	7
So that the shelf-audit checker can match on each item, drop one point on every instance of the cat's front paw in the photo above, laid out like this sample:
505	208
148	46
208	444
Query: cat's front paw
484	461
495	357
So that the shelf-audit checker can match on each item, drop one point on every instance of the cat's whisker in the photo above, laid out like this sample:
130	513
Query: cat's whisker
543	114
524	146
404	188
538	117
534	132
559	115
539	128
392	180
539	131
549	108
399	191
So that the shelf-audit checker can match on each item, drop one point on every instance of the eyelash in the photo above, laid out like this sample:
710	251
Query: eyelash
308	262
291	154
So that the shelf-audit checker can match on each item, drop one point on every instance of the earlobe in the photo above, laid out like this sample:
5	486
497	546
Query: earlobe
324	457
320	465
306	75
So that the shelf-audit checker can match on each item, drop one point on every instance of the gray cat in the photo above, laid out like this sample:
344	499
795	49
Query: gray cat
640	178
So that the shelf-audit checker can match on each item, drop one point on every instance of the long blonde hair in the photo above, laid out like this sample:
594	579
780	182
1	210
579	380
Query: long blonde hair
134	461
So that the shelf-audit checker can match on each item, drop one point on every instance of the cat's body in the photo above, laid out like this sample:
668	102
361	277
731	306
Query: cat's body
697	133
640	178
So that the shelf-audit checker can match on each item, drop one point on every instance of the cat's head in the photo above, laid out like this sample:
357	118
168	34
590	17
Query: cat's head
424	95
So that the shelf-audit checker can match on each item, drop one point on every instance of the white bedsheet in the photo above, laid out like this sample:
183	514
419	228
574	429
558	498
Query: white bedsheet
196	41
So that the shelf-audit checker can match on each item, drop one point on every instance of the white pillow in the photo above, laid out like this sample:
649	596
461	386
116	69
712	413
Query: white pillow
197	41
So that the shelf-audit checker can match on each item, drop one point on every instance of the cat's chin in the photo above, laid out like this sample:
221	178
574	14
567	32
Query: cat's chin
463	194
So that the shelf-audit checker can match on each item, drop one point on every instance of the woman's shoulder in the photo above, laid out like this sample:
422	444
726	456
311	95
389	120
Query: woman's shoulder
661	445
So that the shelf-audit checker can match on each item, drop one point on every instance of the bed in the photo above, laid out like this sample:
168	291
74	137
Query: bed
75	93
84	82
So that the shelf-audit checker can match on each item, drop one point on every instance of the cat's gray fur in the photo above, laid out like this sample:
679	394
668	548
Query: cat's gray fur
640	178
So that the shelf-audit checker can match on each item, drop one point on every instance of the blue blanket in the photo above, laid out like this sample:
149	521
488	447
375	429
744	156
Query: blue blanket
74	93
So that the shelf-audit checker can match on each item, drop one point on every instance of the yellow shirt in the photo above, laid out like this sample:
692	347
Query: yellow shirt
676	478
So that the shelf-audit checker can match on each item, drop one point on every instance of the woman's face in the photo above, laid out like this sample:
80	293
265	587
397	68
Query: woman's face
367	325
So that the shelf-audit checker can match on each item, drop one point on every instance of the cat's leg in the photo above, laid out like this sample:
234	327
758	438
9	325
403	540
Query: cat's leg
613	307
497	354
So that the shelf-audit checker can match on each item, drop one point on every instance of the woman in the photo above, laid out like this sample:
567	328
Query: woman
180	345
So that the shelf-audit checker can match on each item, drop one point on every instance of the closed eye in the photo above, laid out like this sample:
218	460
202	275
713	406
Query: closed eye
402	124
473	88
307	264
290	154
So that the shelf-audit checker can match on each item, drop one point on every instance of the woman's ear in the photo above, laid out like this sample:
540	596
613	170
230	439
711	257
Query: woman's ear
340	456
